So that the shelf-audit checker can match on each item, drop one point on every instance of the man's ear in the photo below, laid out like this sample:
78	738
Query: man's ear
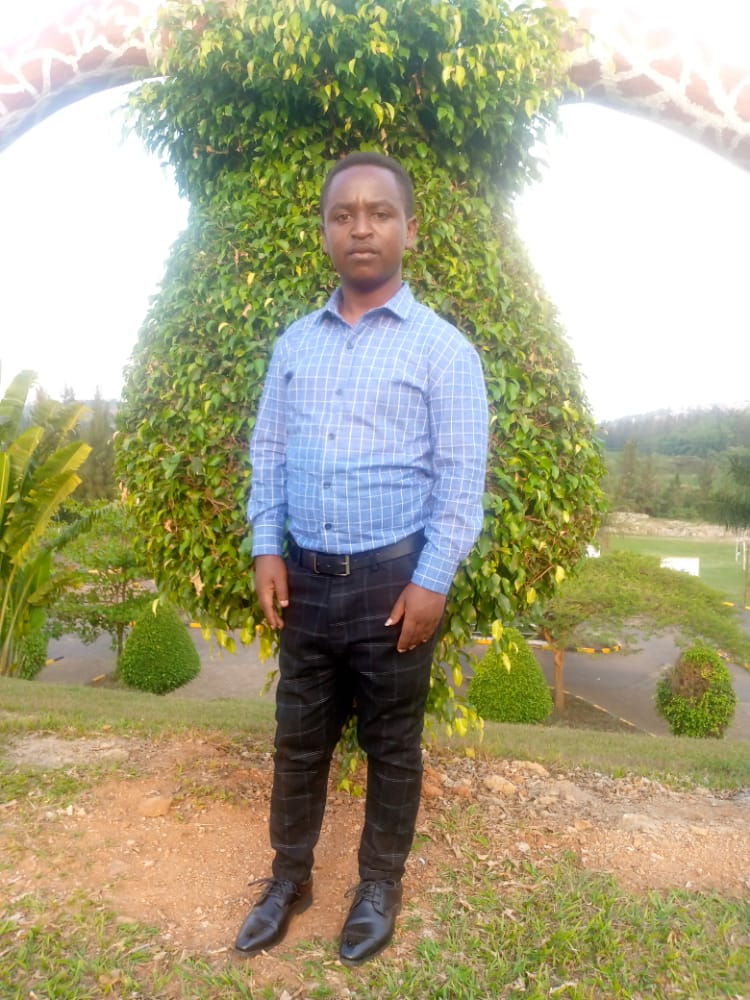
411	232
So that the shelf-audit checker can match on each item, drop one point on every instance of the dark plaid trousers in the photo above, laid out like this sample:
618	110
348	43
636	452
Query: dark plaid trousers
335	651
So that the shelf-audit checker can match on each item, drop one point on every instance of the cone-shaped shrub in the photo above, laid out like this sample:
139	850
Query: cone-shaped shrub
509	685
159	654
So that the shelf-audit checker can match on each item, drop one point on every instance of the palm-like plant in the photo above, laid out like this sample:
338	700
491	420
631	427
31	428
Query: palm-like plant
38	470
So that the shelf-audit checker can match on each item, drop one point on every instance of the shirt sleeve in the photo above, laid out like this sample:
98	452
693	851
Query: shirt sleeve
458	428
267	506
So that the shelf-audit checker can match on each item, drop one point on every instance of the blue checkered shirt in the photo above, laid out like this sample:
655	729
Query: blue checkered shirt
368	433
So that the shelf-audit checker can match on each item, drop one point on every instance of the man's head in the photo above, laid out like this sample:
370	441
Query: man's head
369	159
367	224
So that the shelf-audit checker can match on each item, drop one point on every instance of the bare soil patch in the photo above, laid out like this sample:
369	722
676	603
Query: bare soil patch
173	832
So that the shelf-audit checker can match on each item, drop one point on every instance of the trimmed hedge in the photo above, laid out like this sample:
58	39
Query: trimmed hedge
159	654
696	695
518	693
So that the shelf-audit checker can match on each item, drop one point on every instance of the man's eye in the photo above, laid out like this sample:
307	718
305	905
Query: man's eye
341	217
380	215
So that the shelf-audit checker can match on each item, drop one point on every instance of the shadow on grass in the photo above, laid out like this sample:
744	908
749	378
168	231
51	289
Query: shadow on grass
581	714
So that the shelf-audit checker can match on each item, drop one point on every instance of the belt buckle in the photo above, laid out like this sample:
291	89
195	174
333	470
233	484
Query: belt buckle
315	568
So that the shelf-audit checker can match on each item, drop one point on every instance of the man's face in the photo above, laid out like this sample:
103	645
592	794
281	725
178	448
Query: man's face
365	229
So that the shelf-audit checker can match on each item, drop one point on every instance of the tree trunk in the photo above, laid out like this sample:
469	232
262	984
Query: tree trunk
559	685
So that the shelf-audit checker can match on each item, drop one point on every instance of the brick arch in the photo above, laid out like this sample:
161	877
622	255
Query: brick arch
623	56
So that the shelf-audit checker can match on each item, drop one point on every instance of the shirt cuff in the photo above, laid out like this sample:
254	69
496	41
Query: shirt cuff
267	540
434	572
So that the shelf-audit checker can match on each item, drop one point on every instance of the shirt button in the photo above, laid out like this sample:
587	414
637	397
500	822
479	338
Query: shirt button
328	526
339	392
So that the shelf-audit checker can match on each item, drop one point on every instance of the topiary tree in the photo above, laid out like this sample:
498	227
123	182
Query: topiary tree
696	695
253	105
159	654
508	684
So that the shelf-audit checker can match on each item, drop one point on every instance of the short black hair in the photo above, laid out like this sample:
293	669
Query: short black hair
371	159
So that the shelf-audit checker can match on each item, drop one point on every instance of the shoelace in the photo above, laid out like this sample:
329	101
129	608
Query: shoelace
275	887
369	890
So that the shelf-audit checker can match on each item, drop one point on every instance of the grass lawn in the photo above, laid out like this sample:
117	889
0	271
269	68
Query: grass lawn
488	930
718	566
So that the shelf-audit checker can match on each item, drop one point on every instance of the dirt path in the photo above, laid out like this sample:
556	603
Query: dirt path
175	830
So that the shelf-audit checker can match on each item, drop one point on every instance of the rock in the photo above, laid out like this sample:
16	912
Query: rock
568	790
532	767
463	791
155	805
498	785
430	790
639	821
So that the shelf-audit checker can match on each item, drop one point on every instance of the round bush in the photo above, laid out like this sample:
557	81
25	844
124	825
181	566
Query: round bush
159	654
696	695
520	694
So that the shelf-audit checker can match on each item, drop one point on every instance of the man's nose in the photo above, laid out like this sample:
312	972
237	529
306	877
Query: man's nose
361	224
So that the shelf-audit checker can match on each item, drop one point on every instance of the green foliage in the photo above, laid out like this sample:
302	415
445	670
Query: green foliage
253	106
98	471
695	433
676	465
671	486
159	654
731	501
107	579
31	651
38	470
731	504
508	684
628	595
719	566
696	695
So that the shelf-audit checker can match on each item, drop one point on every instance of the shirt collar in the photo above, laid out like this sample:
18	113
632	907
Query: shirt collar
399	304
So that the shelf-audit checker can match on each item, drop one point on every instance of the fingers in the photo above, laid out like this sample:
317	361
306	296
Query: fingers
397	611
421	611
272	616
271	584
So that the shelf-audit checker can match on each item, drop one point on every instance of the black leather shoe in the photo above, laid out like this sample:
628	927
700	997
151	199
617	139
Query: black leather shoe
371	921
268	920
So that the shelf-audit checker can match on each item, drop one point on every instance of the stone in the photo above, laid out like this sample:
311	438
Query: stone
155	805
498	785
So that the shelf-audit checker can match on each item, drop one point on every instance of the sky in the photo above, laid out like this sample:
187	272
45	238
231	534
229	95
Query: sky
639	236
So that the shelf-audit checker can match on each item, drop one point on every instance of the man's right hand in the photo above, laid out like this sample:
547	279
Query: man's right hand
272	587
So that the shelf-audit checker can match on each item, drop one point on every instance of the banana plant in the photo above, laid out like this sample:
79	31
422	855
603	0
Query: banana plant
36	475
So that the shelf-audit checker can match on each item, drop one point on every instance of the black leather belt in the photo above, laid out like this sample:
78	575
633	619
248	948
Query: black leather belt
326	564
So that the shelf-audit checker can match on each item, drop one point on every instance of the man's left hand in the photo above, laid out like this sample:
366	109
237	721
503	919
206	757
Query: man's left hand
420	610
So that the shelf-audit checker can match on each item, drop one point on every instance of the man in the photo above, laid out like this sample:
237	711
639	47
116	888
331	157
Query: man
368	461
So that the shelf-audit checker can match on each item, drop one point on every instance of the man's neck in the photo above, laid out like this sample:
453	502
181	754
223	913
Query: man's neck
354	303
